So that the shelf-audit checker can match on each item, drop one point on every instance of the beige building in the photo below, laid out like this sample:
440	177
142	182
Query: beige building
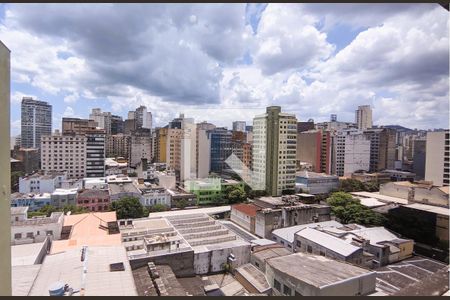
118	145
437	163
64	153
77	125
141	146
203	149
274	151
363	117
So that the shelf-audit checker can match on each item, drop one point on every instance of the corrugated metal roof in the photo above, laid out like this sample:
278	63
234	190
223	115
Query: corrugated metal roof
328	241
288	233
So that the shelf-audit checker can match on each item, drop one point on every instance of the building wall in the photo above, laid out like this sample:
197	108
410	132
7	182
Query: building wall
357	153
36	121
118	145
94	200
141	147
308	148
243	220
361	285
181	263
64	153
437	158
39	232
213	261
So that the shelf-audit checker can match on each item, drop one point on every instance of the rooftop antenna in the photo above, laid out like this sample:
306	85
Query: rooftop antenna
84	259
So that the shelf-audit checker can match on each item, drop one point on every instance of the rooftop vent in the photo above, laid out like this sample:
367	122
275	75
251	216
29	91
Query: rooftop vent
117	267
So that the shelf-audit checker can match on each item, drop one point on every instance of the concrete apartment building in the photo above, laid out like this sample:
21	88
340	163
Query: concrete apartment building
274	150
64	153
142	117
140	147
40	183
26	230
363	117
103	119
437	166
419	157
36	121
382	148
77	126
118	145
244	215
314	147
303	274
116	124
203	149
351	152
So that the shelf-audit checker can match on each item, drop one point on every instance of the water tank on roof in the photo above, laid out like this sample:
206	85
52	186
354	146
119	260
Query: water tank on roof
56	289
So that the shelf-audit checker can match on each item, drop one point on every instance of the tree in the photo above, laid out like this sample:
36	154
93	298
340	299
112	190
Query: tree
234	194
74	210
157	207
128	207
182	203
353	185
349	210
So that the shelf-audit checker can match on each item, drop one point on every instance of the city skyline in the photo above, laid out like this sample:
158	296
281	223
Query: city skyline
190	59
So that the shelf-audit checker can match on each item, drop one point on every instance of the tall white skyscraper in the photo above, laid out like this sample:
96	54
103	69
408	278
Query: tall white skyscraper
363	117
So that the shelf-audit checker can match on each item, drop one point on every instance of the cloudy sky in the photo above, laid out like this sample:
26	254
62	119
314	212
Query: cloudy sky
227	62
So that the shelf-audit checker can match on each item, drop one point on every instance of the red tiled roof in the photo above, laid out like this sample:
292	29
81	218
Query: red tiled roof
248	209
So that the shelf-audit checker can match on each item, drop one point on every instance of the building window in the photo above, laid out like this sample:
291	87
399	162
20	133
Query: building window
276	285
49	232
286	290
309	249
18	236
257	264
30	235
299	244
322	252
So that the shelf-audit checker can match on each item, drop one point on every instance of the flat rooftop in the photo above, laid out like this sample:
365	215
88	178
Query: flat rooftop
382	198
370	202
309	174
207	210
270	251
99	279
316	270
23	277
26	254
86	231
430	208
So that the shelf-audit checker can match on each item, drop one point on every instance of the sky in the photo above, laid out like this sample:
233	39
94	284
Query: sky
227	62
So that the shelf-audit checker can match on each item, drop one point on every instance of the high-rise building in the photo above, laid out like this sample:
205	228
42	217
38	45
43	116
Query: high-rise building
249	128
314	147
77	125
29	157
95	153
239	126
419	156
363	117
220	148
141	146
350	152
129	126
274	151
118	145
64	153
382	148
173	149
159	141
116	124
103	119
437	164
203	149
143	118
36	121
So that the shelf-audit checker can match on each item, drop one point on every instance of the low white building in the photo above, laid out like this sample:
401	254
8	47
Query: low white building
63	197
26	230
33	201
39	183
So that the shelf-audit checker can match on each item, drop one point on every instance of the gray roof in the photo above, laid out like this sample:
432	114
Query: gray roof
316	270
309	174
23	277
67	267
125	187
328	241
288	233
256	278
